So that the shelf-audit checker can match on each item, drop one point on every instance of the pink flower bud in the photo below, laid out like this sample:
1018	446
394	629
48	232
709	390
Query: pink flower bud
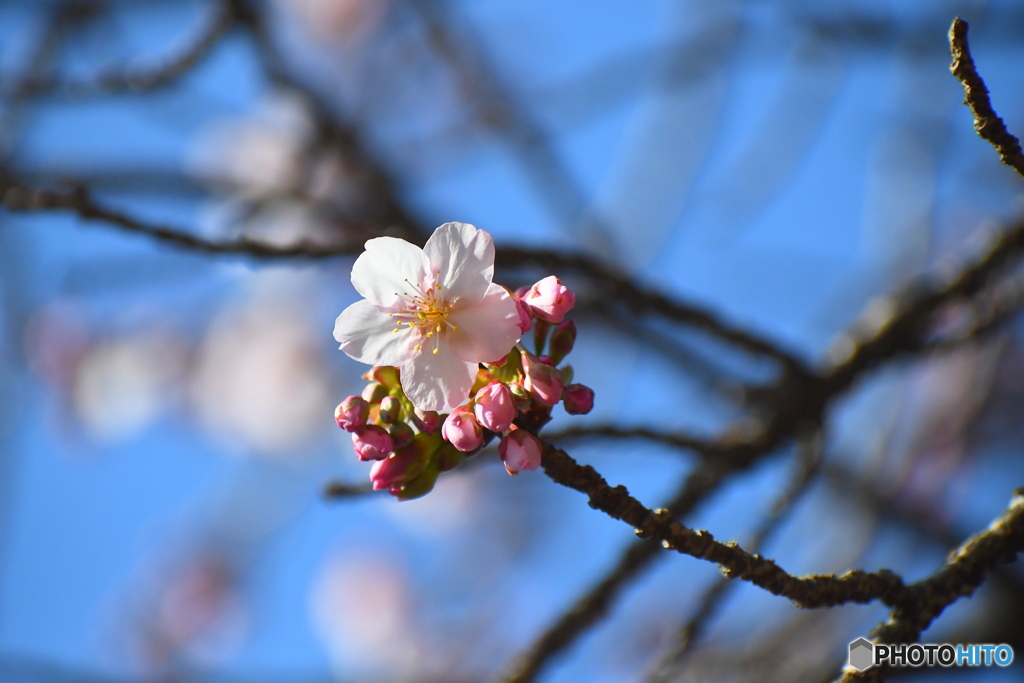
550	299
351	413
397	468
495	407
562	341
390	409
426	420
521	292
385	374
525	315
374	392
519	450
372	443
578	399
462	430
543	381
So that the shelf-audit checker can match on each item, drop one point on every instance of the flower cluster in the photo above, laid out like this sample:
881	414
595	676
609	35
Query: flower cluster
450	373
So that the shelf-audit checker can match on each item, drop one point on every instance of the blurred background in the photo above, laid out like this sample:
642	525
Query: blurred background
166	429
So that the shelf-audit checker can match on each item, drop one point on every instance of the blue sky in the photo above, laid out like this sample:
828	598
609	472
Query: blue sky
712	184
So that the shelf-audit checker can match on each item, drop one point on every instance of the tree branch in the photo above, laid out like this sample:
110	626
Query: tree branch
968	567
808	466
812	591
986	122
798	400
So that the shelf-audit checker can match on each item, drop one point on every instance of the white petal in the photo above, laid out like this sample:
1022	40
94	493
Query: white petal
487	330
439	382
366	334
380	272
464	255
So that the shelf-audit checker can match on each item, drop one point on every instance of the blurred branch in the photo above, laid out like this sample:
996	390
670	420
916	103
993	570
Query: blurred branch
166	72
916	605
986	122
797	401
968	567
611	284
902	329
986	314
701	447
79	202
594	604
337	490
497	107
809	451
392	216
702	366
901	324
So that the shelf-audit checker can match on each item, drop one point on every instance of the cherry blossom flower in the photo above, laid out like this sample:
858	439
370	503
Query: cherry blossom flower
433	313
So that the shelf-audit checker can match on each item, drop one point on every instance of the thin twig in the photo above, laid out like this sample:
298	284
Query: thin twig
986	122
139	79
498	107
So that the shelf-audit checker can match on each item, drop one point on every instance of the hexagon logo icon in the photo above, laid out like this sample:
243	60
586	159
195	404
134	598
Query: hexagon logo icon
862	654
